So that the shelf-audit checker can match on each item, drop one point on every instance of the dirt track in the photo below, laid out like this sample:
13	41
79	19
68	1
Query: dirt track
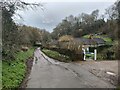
106	70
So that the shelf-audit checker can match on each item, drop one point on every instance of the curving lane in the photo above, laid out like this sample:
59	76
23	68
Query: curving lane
47	73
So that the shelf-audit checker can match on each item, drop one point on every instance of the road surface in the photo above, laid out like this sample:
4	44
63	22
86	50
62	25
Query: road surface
47	73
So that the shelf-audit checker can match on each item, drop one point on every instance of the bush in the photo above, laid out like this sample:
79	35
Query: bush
56	55
106	55
106	52
70	53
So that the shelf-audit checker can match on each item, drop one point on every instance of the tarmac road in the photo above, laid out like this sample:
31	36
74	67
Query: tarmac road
47	73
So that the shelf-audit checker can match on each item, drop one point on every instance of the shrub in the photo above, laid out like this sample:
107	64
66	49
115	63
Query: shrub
71	53
56	55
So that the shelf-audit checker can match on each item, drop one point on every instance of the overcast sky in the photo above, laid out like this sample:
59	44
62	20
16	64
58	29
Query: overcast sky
55	11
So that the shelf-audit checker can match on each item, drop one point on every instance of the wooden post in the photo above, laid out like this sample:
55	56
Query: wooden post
95	54
88	49
84	53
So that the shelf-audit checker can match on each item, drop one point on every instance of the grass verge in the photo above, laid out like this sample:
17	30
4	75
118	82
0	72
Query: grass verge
13	72
56	55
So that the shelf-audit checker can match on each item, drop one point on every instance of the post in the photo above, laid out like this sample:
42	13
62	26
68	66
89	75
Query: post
95	54
84	53
88	49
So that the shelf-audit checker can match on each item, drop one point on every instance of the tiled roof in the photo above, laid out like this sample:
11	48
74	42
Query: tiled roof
86	41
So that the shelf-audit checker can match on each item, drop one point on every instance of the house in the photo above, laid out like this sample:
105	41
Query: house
76	42
86	42
79	44
90	42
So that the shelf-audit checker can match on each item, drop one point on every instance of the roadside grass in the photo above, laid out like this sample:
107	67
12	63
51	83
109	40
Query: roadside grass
13	72
56	55
105	38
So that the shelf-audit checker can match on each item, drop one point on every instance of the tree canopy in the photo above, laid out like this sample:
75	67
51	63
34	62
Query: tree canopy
10	32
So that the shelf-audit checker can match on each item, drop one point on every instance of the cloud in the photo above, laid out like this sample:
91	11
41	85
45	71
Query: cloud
47	21
54	13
